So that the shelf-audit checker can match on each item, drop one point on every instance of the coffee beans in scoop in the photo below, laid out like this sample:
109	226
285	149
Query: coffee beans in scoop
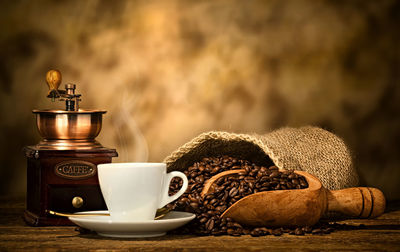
228	190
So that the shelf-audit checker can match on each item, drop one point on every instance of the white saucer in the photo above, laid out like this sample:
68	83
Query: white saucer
104	226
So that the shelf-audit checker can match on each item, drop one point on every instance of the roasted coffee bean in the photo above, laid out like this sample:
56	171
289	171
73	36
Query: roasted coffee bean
193	198
303	182
230	231
210	224
254	233
237	225
245	231
236	233
316	231
217	233
265	230
194	205
220	181
233	192
200	179
213	201
299	231
274	174
277	232
229	224
273	167
243	173
215	170
307	229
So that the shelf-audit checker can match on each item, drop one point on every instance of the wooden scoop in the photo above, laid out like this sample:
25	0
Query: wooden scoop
300	207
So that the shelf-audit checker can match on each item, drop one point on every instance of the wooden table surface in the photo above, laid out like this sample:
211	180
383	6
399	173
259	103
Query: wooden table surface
381	234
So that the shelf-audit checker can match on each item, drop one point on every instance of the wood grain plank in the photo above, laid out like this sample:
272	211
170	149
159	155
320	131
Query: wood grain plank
382	234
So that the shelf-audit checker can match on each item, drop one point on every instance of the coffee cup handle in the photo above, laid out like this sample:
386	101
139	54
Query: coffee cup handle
165	197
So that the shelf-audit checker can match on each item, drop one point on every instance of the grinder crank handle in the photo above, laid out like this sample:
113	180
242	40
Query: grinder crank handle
360	202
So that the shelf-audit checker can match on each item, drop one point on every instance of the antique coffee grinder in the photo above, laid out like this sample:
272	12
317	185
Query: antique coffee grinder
62	168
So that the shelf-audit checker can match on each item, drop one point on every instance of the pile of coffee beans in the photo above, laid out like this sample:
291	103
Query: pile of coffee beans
228	190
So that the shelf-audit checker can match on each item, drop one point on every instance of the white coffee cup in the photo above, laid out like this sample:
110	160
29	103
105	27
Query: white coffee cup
134	191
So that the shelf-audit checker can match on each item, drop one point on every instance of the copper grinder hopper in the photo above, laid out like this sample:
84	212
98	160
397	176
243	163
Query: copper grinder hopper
69	129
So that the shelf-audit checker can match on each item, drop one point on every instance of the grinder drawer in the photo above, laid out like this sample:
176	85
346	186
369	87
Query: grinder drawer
75	198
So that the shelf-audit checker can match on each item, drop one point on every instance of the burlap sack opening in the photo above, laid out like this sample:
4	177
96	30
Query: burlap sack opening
309	149
217	147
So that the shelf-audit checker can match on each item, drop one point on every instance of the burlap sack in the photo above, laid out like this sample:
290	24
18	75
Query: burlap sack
309	149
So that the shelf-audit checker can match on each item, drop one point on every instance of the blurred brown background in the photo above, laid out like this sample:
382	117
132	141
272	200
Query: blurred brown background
168	70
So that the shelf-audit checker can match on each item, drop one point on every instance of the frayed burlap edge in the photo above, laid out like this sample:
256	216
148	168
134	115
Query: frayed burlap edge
174	161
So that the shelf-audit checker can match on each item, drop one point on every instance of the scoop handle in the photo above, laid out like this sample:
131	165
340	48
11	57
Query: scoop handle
360	202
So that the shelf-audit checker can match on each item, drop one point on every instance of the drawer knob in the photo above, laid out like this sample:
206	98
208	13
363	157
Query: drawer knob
77	202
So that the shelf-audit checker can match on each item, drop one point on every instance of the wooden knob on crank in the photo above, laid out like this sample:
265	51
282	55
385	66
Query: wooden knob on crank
53	79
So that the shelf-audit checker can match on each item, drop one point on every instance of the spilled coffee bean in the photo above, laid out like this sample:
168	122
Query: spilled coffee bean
227	191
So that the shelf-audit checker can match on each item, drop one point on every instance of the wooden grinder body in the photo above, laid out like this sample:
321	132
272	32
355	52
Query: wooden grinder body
64	181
